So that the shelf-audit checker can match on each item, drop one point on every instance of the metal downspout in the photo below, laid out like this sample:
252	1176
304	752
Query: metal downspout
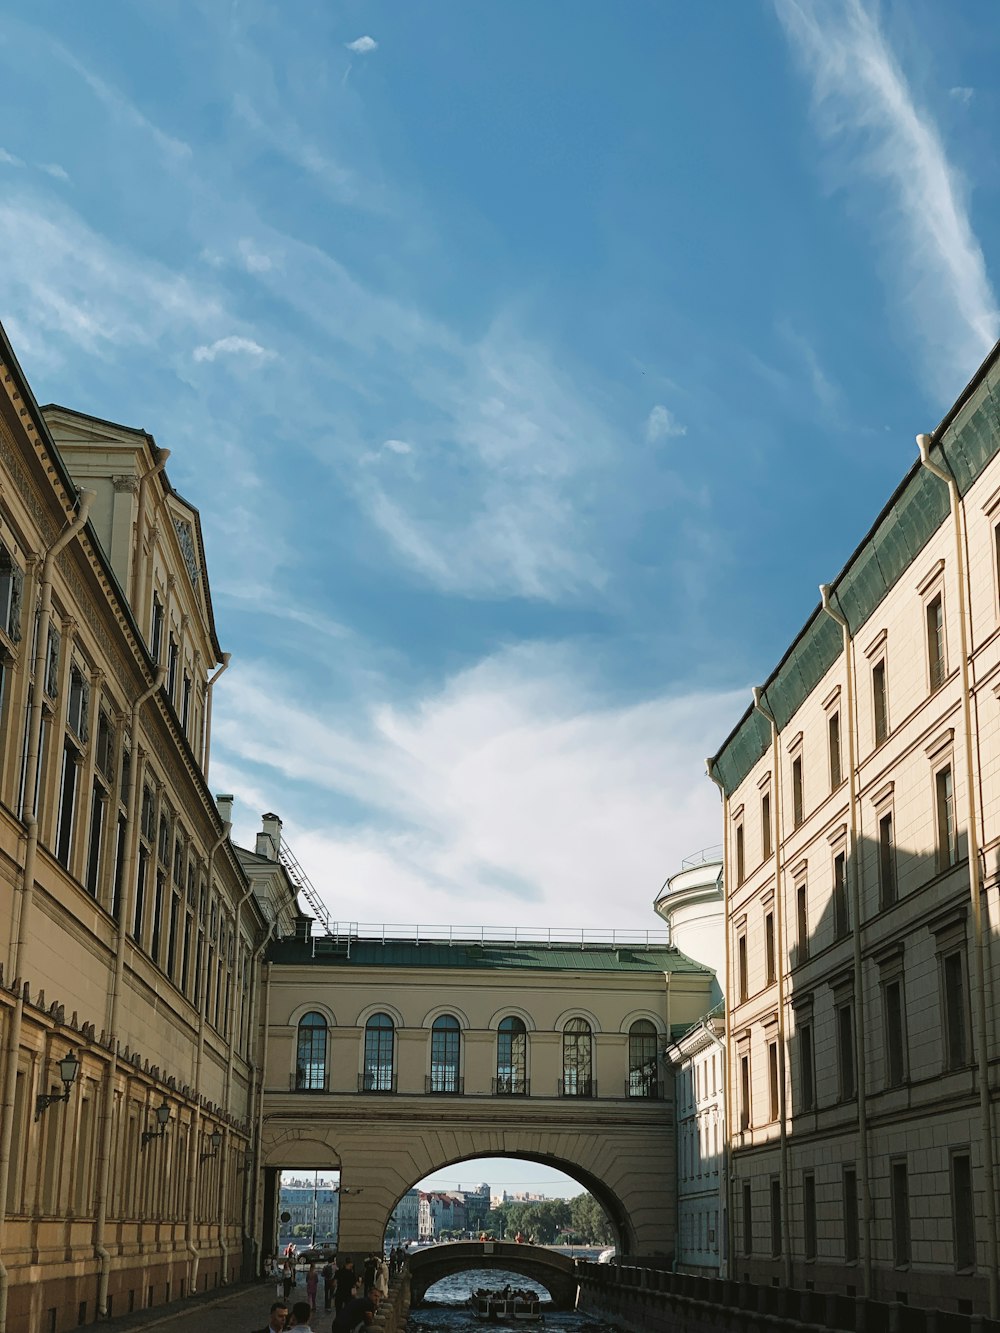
22	908
258	1155
924	443
193	1144
207	745
727	1162
114	1000
779	912
854	861
255	1092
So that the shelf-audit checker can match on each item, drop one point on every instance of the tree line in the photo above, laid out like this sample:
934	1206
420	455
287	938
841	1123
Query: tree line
579	1221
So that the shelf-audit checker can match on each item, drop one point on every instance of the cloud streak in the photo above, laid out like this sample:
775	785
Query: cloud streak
863	100
661	424
234	345
512	788
362	45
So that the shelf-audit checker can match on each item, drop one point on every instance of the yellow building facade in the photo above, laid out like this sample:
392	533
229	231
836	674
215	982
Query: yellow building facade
129	934
862	869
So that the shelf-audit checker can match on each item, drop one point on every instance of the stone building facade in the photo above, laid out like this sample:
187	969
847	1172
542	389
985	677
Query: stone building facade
128	932
862	832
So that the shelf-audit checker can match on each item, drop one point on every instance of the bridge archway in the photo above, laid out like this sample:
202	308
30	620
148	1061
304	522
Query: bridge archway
555	1272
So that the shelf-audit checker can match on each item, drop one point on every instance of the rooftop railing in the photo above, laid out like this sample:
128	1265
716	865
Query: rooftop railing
703	858
347	933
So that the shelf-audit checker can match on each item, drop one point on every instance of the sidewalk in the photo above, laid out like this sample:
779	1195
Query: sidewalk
240	1308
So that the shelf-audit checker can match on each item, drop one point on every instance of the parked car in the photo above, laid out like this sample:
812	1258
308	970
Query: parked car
319	1255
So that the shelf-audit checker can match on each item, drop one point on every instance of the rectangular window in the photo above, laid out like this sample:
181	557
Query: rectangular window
765	825
116	900
140	894
741	960
841	910
935	642
845	1050
747	1218
947	839
156	630
769	946
173	654
740	855
744	1092
807	1080
886	862
775	1216
880	702
801	922
154	942
772	1079
186	702
797	805
850	1214
833	735
895	1037
67	803
953	977
97	809
900	1215
809	1214
963	1211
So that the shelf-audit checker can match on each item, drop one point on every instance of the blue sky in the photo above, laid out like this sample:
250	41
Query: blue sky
530	365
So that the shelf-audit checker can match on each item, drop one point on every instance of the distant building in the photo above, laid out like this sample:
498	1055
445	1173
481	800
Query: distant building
314	1211
405	1221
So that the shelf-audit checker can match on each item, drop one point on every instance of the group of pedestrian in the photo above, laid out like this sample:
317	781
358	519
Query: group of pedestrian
355	1298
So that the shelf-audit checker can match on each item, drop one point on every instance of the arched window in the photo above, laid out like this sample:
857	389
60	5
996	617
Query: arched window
310	1057
577	1079
642	1080
512	1058
446	1048
379	1075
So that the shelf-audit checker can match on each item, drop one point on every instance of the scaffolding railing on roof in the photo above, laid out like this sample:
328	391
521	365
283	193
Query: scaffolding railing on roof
343	934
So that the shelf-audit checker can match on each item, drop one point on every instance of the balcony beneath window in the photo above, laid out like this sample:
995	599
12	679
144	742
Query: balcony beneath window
508	1085
377	1081
578	1087
645	1089
444	1085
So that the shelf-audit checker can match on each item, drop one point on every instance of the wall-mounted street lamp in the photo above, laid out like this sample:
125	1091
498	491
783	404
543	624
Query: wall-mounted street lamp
69	1067
215	1139
162	1121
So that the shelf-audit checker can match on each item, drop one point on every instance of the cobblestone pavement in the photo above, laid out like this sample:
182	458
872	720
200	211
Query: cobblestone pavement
238	1309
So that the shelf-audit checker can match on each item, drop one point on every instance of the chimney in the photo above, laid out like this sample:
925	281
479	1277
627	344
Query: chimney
225	805
269	839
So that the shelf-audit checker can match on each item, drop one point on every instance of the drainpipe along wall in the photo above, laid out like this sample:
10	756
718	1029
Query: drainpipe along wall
114	999
854	862
27	888
207	746
258	1145
224	1184
727	1161
195	1136
760	703
255	1094
925	443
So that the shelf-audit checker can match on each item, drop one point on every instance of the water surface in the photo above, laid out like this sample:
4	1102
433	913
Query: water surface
446	1307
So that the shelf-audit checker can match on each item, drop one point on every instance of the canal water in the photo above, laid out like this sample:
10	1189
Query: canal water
446	1306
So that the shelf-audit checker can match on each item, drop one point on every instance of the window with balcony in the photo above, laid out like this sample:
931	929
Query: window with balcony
642	1068
310	1054
512	1058
379	1073
578	1059
446	1053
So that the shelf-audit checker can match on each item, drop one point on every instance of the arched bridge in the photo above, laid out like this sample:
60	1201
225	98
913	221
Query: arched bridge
556	1272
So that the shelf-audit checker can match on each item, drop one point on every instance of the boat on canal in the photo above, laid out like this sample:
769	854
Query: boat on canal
506	1306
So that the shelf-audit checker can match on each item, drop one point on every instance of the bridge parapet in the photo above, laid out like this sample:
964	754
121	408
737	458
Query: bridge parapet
556	1272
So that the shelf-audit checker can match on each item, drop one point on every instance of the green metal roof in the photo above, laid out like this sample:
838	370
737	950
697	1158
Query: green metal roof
969	438
475	957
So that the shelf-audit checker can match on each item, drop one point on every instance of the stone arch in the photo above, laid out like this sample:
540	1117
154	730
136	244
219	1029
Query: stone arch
305	1147
636	1014
512	1011
440	1010
585	1014
311	1007
380	1007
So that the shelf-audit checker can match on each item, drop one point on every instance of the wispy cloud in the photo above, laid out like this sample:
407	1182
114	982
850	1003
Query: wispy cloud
234	345
963	95
253	259
9	160
362	45
862	97
514	785
661	424
54	170
817	378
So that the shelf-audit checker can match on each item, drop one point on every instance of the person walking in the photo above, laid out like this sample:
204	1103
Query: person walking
328	1274
301	1315
382	1276
287	1278
346	1280
278	1319
312	1285
358	1313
